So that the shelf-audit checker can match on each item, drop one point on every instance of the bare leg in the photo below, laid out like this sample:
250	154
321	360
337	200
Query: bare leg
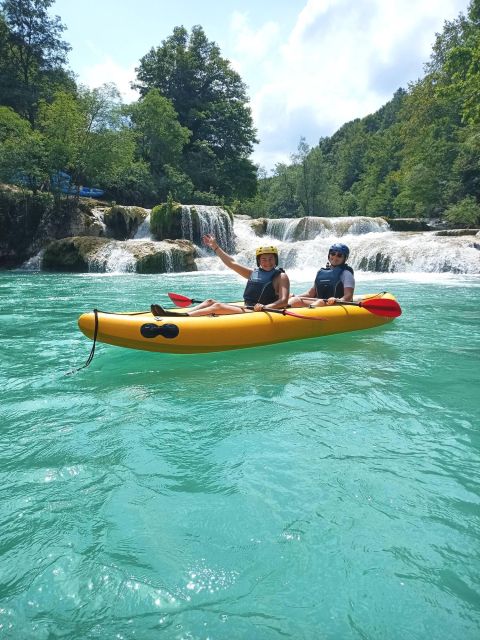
304	301
202	305
217	308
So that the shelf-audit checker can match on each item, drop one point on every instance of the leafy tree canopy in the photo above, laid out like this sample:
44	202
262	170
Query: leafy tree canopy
211	102
32	55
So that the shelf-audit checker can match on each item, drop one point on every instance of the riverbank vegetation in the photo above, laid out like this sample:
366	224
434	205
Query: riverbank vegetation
190	135
416	156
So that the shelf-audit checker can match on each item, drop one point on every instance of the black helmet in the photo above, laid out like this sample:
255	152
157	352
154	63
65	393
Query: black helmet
341	248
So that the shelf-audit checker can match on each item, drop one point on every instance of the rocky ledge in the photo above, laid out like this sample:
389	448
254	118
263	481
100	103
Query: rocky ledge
84	254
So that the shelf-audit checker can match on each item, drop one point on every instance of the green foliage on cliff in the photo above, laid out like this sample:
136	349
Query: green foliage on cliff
21	215
465	213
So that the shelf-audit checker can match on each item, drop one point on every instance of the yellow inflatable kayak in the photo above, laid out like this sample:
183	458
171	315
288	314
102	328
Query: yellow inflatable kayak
222	333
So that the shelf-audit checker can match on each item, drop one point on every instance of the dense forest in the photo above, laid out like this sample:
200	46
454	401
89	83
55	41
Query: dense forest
190	135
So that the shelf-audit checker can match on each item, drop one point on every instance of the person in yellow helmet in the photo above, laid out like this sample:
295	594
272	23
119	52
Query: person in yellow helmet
267	286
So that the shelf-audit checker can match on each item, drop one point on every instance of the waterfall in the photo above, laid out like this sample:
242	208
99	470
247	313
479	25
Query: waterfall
143	231
308	228
112	258
373	247
34	263
199	220
186	223
169	262
303	245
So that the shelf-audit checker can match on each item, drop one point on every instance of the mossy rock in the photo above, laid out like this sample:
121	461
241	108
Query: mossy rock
21	217
123	222
171	255
457	232
77	253
378	263
71	254
166	221
407	224
259	226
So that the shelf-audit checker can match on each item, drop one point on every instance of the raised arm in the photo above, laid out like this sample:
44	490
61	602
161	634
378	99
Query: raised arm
227	260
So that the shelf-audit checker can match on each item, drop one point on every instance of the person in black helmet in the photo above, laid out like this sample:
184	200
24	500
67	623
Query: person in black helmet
334	283
268	286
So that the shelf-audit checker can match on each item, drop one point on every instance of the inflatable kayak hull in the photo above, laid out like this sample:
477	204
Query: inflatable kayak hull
222	333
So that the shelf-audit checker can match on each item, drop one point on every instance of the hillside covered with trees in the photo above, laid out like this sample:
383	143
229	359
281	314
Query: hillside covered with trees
190	135
419	155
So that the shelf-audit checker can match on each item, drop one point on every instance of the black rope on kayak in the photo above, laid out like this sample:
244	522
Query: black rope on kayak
95	334
92	350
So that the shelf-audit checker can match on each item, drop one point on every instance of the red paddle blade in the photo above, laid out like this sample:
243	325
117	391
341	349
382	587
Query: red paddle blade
180	301
382	307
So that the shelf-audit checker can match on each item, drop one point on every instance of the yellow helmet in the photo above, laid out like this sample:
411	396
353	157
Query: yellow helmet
262	250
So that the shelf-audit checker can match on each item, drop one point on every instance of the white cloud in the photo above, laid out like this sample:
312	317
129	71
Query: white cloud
250	43
341	60
107	70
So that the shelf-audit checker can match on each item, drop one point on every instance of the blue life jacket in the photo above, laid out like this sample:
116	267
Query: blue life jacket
328	283
260	287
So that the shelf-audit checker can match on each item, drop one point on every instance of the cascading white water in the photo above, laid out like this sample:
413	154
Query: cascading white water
308	228
169	262
186	223
112	258
143	231
372	247
303	245
34	263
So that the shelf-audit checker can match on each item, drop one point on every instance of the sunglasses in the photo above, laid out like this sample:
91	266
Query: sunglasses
337	253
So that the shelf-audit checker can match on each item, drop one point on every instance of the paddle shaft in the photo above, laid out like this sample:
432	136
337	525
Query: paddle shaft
183	301
377	305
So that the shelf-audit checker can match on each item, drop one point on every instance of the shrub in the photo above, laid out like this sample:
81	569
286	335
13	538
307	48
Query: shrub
464	213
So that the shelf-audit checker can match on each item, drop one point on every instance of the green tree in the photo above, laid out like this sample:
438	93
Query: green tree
429	131
33	55
378	185
160	136
313	188
282	197
211	102
87	136
22	152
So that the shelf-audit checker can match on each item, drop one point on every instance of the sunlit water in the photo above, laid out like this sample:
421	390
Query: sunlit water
319	489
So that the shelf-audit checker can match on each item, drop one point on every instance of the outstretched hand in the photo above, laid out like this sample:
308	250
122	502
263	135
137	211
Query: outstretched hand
210	241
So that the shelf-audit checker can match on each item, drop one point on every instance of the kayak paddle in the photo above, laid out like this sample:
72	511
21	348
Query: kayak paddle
378	306
183	301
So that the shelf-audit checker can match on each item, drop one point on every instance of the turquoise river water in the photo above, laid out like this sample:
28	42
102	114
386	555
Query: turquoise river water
324	489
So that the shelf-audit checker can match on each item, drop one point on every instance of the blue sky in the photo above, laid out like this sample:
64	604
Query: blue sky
309	65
